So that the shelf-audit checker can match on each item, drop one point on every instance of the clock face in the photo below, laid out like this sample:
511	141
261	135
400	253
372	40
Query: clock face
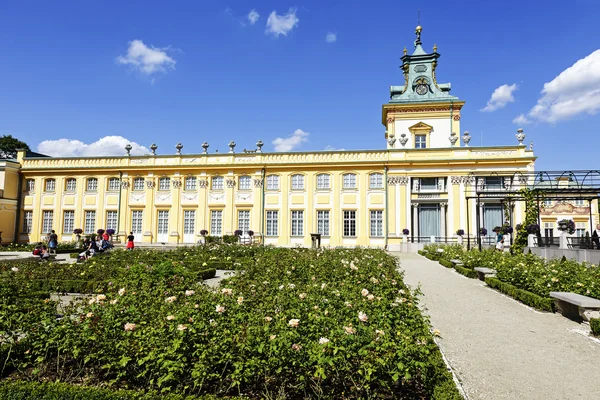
421	89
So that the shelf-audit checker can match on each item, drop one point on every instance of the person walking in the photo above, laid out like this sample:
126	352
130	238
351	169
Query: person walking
52	242
499	239
130	239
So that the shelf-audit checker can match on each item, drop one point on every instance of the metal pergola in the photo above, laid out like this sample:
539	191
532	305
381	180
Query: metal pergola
544	185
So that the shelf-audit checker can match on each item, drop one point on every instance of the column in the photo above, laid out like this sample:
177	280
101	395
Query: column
443	212
415	218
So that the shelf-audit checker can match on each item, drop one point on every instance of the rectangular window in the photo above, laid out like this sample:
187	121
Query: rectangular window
244	220
90	222
68	222
428	183
163	222
297	223
579	202
114	184
50	185
245	183
27	221
297	182
547	203
92	184
216	222
273	182
190	183
323	222
376	223
580	229
323	181
420	141
349	223
217	183
138	184
71	185
164	184
272	217
349	181
30	185
137	217
111	220
376	181
189	222
47	220
493	183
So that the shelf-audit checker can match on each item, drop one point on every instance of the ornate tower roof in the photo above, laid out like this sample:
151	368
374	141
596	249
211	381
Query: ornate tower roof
420	84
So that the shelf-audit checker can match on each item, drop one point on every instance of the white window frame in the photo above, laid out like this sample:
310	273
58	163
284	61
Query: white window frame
243	220
580	228
112	217
164	183
579	202
349	181
50	185
91	185
89	225
138	183
376	223
245	182
297	182
68	221
272	217
323	181
272	182
216	222
323	222
297	223
27	221
189	222
71	185
114	184
47	221
349	223
191	183
137	221
217	183
162	222
30	185
376	180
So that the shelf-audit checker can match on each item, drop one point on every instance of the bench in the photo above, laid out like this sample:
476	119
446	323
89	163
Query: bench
482	272
456	262
576	306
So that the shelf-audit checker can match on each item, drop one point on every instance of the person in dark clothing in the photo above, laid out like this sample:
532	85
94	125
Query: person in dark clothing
596	237
53	242
130	240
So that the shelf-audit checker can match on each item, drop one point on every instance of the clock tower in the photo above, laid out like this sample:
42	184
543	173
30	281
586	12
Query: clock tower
422	113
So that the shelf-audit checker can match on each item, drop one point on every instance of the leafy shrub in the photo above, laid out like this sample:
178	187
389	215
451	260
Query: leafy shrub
446	263
469	273
595	326
533	300
74	255
231	239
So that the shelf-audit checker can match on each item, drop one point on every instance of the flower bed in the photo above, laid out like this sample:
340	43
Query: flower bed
296	322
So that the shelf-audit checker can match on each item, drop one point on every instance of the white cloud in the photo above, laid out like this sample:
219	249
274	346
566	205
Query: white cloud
253	16
282	24
106	146
574	91
147	60
521	119
330	37
292	141
331	148
501	97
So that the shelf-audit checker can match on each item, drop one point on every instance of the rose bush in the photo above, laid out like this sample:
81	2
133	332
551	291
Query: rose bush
319	323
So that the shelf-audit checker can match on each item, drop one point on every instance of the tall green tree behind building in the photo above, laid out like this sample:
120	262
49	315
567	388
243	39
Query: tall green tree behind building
9	146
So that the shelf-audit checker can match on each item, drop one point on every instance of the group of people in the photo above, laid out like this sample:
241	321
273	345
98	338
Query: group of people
41	251
94	245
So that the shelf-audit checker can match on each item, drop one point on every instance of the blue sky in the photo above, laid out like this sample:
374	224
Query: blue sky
195	71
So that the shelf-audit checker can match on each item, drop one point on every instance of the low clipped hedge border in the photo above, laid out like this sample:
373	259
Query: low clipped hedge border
532	300
595	326
468	272
22	390
446	263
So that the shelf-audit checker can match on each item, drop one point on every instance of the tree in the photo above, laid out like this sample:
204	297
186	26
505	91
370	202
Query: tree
9	146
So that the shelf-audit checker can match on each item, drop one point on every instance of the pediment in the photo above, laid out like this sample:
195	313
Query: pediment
421	126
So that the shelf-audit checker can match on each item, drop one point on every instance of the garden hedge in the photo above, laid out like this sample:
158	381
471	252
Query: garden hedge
595	326
468	272
532	300
22	390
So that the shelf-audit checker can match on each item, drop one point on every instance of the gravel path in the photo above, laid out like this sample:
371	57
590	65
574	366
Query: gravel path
499	348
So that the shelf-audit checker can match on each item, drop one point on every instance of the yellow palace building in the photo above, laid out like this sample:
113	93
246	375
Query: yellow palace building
417	181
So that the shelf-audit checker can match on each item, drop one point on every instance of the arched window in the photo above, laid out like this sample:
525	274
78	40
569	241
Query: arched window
376	181
92	184
71	184
217	183
297	182
349	181
113	184
323	181
50	185
273	182
245	183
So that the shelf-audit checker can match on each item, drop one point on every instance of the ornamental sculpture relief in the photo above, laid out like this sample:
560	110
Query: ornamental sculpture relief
203	183
125	184
397	180
150	184
258	183
230	183
176	184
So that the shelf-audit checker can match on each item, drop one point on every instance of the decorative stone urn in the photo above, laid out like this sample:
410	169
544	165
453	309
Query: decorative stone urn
205	147
453	139
466	138
153	147
520	136
403	139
